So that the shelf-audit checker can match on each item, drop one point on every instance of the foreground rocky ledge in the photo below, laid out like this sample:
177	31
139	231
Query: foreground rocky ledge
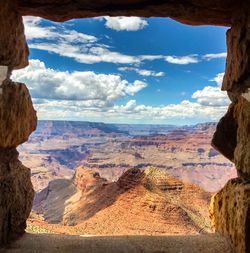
30	243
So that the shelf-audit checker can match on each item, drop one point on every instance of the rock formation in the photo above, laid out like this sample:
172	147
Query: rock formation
13	54
17	121
79	204
16	195
230	212
13	47
230	207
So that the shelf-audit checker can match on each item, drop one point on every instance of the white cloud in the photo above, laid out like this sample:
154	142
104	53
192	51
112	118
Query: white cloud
218	78
142	72
209	57
85	48
131	112
182	59
48	83
72	44
212	96
83	54
125	23
90	96
33	30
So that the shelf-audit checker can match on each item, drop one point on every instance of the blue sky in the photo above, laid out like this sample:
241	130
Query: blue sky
126	70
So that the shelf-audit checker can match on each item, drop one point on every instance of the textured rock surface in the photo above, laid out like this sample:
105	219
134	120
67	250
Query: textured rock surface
230	213
230	208
242	151
237	75
80	204
225	137
16	195
17	121
195	12
17	115
13	47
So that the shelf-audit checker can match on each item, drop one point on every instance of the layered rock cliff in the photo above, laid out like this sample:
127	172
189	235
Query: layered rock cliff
125	206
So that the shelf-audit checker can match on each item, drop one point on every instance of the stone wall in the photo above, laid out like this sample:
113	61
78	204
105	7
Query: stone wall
17	121
230	207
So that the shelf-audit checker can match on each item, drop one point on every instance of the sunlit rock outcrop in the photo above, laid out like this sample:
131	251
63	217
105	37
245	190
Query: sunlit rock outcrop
230	208
125	206
230	213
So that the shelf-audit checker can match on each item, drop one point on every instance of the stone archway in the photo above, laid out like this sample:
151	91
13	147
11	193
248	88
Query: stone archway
230	207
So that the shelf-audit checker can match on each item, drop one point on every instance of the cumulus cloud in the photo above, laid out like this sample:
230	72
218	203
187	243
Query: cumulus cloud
46	83
130	112
183	110
125	23
85	48
209	57
218	78
142	72
182	59
33	30
69	43
212	95
90	96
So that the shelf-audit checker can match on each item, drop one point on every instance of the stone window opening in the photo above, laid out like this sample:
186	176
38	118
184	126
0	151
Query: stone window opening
232	137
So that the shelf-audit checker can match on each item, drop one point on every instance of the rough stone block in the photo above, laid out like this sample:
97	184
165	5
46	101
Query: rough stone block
242	150
16	196
13	47
225	136
237	75
17	115
230	213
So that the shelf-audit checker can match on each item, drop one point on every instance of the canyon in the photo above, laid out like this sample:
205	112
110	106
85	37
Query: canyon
76	206
87	173
57	148
229	208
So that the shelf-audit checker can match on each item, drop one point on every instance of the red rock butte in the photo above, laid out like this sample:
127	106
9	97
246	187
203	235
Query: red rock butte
230	208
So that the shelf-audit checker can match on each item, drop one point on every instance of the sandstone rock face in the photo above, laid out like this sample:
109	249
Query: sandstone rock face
17	115
230	208
225	137
242	151
16	195
217	12
13	47
17	121
91	205
230	213
237	75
